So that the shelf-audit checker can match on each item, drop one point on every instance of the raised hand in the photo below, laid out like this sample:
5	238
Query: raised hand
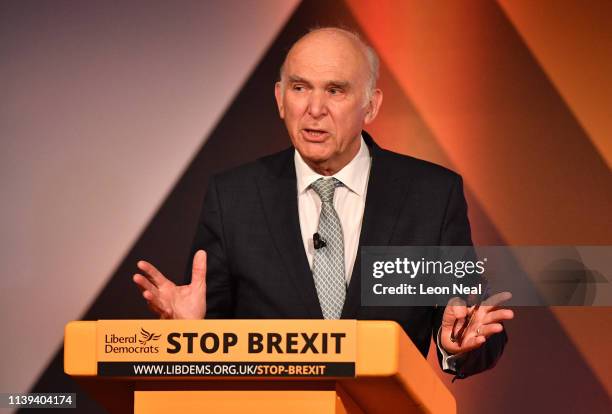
170	301
465	329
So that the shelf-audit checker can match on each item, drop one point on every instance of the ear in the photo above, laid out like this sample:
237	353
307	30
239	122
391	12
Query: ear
278	94
373	106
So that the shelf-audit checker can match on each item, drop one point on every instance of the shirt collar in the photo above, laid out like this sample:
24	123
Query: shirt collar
354	175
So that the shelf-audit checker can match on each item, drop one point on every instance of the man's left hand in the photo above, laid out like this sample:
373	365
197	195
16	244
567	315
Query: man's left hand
482	322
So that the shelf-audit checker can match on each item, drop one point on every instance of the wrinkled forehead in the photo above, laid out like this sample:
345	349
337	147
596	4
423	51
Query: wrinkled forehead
327	54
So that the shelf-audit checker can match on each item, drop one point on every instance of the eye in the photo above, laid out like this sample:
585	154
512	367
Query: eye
298	87
335	91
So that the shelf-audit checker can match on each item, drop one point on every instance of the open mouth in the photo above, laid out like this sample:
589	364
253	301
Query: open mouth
314	134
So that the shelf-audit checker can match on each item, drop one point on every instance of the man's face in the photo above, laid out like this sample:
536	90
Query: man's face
324	102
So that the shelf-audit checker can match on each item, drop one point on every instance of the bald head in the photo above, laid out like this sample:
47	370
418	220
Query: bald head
349	44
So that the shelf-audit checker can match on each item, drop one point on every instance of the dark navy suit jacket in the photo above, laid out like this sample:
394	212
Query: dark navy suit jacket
257	266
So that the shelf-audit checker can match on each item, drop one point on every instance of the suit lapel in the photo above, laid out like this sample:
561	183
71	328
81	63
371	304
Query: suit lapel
279	197
384	200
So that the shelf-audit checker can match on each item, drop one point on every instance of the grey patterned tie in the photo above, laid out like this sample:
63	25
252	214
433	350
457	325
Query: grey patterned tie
328	263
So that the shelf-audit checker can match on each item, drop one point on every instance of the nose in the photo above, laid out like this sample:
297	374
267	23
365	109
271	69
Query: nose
317	105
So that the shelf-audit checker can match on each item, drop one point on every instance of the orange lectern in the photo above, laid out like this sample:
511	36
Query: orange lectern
258	366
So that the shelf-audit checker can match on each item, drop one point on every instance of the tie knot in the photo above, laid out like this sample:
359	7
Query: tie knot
325	188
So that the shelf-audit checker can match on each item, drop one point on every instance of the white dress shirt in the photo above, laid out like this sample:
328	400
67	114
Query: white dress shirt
349	202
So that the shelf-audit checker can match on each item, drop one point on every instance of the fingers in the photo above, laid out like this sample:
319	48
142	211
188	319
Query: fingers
150	298
488	330
460	312
456	301
497	316
153	303
149	286
473	343
154	275
496	299
479	336
153	300
198	271
457	308
149	292
143	283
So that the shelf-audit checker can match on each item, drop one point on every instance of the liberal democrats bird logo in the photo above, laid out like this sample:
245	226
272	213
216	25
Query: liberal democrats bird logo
148	336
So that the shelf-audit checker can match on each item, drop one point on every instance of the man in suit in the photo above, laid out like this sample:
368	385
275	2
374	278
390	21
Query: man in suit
280	237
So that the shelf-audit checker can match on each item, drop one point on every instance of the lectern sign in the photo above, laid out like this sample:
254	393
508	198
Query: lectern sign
275	348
